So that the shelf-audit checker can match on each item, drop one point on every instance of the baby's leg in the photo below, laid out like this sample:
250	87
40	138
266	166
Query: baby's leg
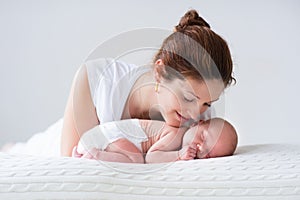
125	150
122	150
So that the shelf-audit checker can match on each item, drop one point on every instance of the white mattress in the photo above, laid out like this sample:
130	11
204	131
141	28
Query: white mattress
255	172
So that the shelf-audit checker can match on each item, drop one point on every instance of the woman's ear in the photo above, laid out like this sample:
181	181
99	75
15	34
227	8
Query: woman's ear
159	69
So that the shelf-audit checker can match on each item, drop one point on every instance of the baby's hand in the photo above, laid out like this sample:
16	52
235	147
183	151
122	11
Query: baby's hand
188	152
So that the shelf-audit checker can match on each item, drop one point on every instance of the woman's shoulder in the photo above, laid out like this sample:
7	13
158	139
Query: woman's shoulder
108	65
109	69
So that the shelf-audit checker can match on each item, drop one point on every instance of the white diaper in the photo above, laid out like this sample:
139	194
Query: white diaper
102	135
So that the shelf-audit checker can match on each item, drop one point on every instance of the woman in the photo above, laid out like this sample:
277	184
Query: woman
189	72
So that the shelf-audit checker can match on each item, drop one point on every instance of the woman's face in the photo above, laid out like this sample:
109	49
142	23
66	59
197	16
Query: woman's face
184	100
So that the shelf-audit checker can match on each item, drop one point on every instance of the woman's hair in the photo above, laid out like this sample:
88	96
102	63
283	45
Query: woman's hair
193	50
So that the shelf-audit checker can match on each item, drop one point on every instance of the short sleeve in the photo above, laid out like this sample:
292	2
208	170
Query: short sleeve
96	76
110	83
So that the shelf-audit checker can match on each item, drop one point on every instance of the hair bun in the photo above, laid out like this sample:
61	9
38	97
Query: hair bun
191	18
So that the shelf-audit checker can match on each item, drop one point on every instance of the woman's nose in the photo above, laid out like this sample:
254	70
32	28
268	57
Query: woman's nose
195	113
203	109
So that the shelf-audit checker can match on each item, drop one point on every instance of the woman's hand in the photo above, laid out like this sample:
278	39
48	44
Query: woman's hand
188	152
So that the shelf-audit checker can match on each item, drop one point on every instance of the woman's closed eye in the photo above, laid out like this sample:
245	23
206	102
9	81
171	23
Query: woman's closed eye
188	99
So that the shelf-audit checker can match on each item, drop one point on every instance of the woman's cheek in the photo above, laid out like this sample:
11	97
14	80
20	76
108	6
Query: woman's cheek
169	102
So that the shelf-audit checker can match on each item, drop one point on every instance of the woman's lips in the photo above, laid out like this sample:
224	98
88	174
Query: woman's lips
181	118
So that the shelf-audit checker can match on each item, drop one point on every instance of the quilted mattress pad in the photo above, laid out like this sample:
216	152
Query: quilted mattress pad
269	171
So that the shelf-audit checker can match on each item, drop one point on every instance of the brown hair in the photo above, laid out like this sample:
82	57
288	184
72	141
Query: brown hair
193	50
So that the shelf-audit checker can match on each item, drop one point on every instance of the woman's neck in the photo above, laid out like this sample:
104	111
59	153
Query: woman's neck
142	100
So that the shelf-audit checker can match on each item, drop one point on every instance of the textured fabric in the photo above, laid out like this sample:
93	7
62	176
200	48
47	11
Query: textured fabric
254	172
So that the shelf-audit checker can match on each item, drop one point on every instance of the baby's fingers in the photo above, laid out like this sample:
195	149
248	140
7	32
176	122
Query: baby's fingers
194	146
191	153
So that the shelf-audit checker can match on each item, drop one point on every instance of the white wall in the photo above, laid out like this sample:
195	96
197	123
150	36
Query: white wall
42	43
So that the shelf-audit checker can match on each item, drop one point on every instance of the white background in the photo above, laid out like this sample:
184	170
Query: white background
42	43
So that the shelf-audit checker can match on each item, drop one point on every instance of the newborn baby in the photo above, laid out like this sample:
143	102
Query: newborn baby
215	138
150	141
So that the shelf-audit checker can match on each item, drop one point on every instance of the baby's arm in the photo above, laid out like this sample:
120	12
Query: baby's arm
164	150
167	149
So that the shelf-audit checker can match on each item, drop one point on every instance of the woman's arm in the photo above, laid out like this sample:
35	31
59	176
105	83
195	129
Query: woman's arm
80	114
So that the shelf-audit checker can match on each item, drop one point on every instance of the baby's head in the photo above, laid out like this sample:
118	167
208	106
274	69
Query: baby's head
215	138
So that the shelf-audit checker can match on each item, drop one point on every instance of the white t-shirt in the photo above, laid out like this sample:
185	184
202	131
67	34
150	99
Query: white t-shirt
110	84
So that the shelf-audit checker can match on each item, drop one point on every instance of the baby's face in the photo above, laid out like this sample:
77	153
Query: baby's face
201	136
211	140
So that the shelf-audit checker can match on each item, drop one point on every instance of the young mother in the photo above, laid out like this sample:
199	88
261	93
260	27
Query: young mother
189	72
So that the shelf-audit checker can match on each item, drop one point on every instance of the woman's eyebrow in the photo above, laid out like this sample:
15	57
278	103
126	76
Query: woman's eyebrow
193	94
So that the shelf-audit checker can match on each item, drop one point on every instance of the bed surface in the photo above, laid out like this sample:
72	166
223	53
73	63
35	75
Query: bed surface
267	171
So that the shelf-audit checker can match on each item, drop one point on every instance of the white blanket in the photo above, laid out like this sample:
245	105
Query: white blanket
46	143
270	171
254	172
